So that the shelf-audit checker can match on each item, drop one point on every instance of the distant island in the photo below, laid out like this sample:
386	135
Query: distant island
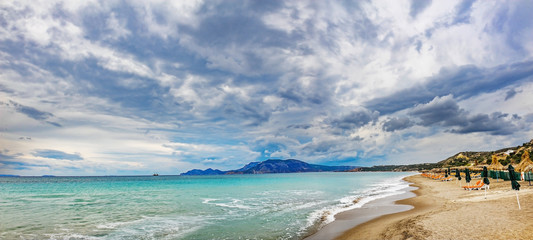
273	166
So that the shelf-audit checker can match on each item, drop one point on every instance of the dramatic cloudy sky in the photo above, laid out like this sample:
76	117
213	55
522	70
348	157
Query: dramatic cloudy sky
136	87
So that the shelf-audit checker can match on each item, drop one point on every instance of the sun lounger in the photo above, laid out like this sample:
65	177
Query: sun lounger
466	187
447	179
438	177
478	187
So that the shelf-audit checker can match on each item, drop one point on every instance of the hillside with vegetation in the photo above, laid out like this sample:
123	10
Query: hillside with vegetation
399	168
505	156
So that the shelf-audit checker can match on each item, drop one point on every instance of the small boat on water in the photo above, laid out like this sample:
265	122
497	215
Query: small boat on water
156	174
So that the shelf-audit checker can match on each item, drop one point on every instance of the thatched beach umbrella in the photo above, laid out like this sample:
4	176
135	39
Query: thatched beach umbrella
477	168
496	166
524	163
514	184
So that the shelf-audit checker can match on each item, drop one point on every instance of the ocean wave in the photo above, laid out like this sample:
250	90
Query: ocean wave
145	228
387	188
231	203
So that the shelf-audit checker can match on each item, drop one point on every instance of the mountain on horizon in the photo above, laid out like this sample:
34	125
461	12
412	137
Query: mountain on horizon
273	166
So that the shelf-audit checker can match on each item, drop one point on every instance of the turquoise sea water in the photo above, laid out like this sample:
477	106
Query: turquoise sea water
268	206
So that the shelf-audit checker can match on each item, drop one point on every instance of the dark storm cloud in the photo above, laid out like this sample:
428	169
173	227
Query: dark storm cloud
300	126
319	94
233	41
236	27
48	153
510	94
321	147
445	112
255	116
397	123
33	113
495	124
462	83
355	119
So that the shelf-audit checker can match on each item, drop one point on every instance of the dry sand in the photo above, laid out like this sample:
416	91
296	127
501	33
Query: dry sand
443	210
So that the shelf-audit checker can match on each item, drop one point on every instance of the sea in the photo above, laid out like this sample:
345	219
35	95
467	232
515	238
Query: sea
261	206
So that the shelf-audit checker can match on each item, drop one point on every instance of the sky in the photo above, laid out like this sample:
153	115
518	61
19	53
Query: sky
137	87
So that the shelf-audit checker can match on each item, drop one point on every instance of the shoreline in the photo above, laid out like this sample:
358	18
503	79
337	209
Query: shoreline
368	228
443	210
347	220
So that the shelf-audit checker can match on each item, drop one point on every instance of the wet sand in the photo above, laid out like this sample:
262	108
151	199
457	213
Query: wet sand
344	221
443	210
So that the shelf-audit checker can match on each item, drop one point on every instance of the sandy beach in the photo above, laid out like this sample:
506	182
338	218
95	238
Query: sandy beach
443	210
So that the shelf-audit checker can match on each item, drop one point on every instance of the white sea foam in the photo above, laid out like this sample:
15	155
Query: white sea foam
110	225
159	227
229	203
208	200
73	236
388	188
144	228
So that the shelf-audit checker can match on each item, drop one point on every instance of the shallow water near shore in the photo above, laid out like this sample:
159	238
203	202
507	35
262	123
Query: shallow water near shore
268	206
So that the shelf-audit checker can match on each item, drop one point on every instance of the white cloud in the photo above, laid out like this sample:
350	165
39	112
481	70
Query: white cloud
220	85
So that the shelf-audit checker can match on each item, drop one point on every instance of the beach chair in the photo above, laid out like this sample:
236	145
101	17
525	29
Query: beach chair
466	187
438	177
447	179
478	186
